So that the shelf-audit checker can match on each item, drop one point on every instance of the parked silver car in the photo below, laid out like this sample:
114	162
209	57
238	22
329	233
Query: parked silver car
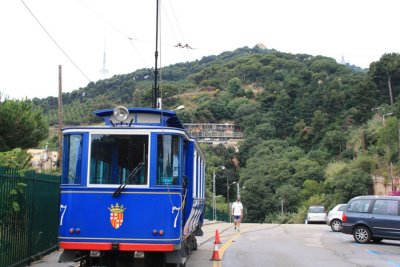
316	214
334	217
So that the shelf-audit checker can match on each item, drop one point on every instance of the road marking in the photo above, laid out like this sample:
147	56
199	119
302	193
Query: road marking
225	246
373	252
391	262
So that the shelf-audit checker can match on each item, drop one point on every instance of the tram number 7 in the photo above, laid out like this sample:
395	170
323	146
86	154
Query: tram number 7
63	209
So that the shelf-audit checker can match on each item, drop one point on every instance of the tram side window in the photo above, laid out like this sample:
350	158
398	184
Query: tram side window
117	159
73	167
168	160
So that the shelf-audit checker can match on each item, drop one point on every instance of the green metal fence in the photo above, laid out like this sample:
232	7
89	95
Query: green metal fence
221	216
29	208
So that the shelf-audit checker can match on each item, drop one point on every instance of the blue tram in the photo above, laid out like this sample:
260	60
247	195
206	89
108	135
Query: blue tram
132	191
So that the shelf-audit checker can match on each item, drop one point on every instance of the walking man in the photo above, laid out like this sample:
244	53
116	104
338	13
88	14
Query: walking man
237	212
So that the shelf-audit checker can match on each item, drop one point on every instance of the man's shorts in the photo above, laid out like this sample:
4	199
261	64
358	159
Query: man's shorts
236	217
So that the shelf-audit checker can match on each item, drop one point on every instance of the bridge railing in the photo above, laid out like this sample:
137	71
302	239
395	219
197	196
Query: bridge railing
29	208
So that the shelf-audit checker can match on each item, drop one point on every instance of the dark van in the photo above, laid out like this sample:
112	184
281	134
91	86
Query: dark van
372	218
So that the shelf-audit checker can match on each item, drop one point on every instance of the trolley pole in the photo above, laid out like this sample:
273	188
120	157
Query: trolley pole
60	117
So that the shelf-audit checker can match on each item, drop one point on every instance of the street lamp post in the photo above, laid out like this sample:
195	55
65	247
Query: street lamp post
179	108
281	199
383	117
213	200
214	195
227	198
391	176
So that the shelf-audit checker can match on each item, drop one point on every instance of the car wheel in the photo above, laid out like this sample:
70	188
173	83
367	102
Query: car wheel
336	225
361	234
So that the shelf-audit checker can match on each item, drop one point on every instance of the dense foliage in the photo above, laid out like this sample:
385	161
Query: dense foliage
315	130
22	125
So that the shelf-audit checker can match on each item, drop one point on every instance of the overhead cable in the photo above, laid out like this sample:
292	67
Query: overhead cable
55	42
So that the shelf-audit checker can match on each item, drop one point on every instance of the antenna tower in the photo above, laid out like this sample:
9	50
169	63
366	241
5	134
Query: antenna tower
104	71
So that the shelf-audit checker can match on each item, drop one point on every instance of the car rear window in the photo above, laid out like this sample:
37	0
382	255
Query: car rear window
316	210
342	208
359	205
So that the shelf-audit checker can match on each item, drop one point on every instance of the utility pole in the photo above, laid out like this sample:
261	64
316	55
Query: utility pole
227	198
398	131
213	200
60	118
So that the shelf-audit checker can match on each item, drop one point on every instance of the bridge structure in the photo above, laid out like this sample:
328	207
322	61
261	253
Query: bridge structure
214	133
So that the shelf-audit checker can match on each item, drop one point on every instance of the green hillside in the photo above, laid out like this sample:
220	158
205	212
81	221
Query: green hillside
314	128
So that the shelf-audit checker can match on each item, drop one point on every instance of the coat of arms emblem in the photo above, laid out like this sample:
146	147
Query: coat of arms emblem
116	215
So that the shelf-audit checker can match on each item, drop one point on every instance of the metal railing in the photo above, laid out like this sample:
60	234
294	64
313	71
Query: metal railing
29	208
220	216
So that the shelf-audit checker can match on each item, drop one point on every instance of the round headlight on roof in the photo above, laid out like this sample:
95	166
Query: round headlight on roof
120	113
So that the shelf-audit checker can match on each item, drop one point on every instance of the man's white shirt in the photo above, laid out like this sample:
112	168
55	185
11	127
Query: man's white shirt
237	208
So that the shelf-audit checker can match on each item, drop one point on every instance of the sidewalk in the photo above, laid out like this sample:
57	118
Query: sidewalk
209	228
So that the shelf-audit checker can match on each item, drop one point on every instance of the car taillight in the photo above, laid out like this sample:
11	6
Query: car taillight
344	218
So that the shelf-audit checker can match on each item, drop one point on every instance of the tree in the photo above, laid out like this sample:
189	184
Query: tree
289	194
16	159
257	199
388	140
310	188
235	87
345	181
22	125
335	141
386	72
319	124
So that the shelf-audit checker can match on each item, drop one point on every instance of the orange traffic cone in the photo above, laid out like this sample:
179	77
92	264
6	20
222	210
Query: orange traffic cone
215	255
217	241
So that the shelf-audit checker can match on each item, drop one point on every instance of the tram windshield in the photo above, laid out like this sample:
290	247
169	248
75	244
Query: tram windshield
115	158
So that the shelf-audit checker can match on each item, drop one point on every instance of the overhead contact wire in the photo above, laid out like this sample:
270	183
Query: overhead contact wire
129	38
55	42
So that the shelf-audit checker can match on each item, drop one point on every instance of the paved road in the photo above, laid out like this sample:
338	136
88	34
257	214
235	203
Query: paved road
306	245
294	245
205	243
291	245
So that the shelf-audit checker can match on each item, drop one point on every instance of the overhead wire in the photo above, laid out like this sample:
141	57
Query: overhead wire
182	36
127	37
177	22
174	208
172	30
55	42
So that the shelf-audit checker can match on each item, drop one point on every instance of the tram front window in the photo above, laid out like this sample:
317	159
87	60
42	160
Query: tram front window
118	159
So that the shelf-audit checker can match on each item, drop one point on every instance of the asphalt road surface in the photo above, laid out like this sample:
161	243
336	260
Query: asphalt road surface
294	245
288	245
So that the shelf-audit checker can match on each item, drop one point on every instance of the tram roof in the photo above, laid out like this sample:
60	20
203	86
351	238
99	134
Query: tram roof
142	116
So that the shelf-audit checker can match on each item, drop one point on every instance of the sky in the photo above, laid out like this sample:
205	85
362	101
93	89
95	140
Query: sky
96	39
